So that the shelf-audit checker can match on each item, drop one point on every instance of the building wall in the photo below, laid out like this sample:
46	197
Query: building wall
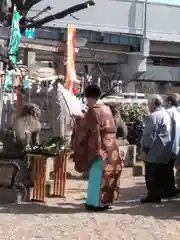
161	73
165	48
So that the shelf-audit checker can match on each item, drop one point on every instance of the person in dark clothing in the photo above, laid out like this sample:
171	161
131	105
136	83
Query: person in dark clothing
157	149
171	103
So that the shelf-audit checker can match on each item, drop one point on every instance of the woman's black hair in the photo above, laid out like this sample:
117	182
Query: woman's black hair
173	98
93	91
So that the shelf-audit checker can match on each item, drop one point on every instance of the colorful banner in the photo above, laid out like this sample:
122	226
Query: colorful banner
71	77
15	40
16	36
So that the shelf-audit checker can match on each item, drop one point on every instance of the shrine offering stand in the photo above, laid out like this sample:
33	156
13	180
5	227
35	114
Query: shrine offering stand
60	174
39	177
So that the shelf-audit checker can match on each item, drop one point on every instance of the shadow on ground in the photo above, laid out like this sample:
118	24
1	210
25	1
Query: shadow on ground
128	204
35	208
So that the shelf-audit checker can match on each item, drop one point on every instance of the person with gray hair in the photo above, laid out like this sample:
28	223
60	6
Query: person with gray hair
172	102
156	149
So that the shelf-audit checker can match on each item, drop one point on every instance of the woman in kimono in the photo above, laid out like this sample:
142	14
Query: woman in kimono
96	151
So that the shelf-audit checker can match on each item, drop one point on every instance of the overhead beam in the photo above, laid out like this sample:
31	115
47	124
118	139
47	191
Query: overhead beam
40	45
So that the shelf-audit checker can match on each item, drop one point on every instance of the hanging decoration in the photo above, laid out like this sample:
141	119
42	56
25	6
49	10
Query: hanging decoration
12	77
15	40
71	77
16	36
73	104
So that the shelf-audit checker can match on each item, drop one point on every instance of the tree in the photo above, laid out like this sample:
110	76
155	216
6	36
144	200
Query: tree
24	6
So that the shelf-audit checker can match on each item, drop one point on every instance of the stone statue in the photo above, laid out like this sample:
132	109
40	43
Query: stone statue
28	126
24	133
27	129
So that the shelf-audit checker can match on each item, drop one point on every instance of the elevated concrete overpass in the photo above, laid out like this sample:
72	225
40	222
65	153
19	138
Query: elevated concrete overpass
120	16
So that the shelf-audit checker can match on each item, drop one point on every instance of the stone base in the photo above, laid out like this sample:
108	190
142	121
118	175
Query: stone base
128	154
10	196
138	170
49	188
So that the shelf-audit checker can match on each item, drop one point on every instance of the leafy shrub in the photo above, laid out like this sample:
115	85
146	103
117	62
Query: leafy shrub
134	116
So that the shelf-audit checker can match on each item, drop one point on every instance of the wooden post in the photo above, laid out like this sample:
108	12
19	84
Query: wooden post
60	70
39	177
29	57
60	175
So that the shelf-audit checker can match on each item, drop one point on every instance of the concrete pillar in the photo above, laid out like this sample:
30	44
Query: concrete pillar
59	63
29	57
63	121
145	47
60	123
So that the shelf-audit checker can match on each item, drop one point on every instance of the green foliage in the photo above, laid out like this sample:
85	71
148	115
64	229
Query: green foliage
134	116
130	113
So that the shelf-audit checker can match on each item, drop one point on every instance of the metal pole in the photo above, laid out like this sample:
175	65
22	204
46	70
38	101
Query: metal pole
145	20
145	42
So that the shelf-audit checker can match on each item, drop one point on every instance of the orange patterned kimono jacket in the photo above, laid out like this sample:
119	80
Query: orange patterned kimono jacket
95	135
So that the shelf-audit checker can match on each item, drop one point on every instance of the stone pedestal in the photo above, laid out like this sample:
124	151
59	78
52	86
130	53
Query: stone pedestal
128	154
8	195
138	170
11	191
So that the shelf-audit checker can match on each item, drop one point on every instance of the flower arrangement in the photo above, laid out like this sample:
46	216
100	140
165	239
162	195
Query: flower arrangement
50	147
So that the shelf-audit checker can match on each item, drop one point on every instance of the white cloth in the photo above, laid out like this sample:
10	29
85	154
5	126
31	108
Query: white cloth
175	114
74	104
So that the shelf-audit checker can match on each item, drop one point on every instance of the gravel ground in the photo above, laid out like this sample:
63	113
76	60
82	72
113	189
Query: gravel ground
67	219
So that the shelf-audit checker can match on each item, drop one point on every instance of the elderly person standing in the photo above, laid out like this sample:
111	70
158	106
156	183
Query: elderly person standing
157	149
172	102
177	162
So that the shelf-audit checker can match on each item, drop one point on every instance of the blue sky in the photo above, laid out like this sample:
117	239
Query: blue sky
176	2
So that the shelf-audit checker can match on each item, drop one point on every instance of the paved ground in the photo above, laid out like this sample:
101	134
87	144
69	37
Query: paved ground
66	219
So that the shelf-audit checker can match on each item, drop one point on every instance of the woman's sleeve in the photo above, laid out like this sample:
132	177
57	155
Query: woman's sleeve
95	132
80	130
87	129
149	134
